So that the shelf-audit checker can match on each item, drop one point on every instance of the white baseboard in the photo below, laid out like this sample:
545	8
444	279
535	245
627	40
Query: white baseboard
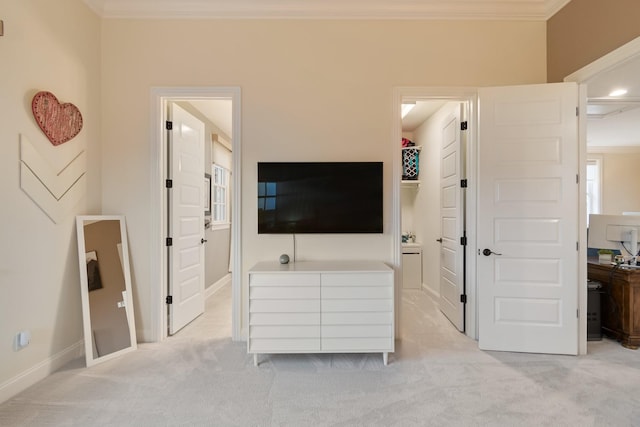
434	294
211	290
37	373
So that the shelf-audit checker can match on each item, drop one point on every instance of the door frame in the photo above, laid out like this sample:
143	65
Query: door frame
160	96
461	94
583	76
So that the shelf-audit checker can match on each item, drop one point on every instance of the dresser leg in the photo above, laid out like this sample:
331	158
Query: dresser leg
385	358
255	359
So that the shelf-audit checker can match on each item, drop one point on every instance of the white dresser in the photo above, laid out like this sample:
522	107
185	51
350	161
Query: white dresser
321	307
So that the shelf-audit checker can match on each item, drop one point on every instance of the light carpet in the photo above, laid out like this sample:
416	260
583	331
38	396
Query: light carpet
436	377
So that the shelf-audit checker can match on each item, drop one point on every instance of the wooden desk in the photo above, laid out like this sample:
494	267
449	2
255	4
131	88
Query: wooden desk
620	302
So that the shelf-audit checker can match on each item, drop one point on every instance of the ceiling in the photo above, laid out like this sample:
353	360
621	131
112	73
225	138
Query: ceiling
614	121
341	9
218	111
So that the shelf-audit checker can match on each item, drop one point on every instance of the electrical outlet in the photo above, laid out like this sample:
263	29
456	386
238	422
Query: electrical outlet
21	340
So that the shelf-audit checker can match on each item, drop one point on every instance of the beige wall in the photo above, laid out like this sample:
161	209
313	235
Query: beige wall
311	90
585	30
620	175
53	46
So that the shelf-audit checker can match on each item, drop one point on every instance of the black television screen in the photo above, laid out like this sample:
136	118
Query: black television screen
320	197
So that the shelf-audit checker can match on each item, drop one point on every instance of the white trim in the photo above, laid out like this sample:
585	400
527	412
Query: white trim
324	9
37	373
222	226
216	286
157	142
462	94
582	219
396	205
435	295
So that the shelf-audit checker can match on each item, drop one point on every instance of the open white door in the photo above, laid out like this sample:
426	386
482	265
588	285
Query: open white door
527	232
452	221
186	218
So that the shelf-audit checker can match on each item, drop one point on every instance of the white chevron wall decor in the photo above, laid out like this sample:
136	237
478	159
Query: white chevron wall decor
56	190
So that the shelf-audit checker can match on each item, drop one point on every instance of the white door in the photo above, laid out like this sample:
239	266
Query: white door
186	218
451	221
527	229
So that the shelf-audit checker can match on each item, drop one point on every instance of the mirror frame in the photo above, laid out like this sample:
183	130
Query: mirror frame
81	220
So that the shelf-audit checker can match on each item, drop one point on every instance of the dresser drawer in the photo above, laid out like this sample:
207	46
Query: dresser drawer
357	292
284	345
357	279
357	344
284	306
284	319
284	331
352	305
356	331
362	318
281	279
284	292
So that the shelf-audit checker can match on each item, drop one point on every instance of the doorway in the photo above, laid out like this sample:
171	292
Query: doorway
604	112
161	97
433	199
448	108
512	295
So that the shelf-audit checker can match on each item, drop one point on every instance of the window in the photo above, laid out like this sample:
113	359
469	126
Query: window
267	196
220	197
594	185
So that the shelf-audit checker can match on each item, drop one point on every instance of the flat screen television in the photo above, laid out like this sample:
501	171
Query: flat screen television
319	197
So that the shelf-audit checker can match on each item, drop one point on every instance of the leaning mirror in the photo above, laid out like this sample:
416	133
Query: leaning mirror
105	280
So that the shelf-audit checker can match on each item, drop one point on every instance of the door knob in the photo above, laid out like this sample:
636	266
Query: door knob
487	252
203	240
439	240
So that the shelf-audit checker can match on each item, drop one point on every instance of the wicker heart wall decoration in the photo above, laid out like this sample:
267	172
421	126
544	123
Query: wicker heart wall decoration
59	122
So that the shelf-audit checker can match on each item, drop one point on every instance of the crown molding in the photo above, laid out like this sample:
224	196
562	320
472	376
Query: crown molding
532	10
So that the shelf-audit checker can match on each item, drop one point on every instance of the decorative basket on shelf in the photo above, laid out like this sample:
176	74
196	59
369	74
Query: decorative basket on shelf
410	161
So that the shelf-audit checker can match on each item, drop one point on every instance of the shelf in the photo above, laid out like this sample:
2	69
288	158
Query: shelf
410	183
417	147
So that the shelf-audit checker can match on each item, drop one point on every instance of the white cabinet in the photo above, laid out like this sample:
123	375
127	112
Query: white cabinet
284	312
411	266
321	307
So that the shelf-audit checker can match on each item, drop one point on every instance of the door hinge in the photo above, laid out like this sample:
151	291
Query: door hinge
463	298
463	240
169	125
463	125
578	313
168	183
463	183
577	246
577	111
169	299
577	179
169	241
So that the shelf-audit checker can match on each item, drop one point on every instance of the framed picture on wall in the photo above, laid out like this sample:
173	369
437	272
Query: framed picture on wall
207	194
